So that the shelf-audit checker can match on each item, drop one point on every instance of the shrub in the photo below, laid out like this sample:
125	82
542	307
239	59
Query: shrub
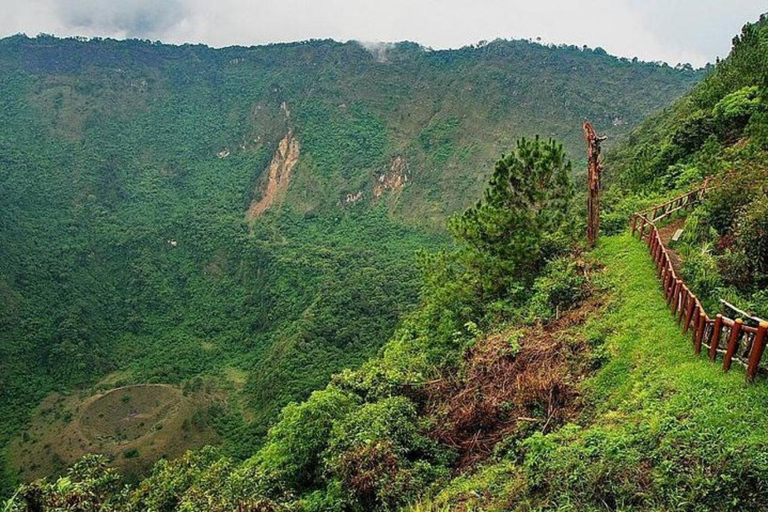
292	452
694	131
701	272
88	485
751	236
558	288
381	458
734	110
618	208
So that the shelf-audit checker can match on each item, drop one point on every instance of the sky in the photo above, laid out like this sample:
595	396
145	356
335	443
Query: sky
674	31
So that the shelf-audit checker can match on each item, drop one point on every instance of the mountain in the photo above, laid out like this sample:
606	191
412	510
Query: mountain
199	236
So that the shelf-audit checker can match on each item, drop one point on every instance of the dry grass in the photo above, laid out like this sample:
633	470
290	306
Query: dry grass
511	383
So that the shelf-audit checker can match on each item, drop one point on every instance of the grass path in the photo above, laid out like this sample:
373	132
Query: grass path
652	356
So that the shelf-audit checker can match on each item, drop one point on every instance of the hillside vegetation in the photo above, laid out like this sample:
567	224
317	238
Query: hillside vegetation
244	220
532	375
718	132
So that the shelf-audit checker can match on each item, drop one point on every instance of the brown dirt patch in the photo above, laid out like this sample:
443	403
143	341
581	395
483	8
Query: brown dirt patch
512	383
278	174
394	179
666	233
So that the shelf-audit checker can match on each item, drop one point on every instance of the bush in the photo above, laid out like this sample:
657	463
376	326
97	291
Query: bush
294	445
560	286
694	131
733	112
381	458
618	208
751	236
700	271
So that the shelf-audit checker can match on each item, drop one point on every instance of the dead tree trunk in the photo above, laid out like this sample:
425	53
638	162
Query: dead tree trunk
593	182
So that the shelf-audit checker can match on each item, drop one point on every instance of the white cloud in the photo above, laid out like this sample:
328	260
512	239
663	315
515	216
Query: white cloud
137	18
694	31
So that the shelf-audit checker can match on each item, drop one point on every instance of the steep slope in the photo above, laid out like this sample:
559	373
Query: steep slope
127	170
278	175
664	430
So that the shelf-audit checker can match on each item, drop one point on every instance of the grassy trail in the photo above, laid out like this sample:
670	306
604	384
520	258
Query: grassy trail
649	351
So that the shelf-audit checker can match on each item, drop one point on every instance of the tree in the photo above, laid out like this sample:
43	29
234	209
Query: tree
523	219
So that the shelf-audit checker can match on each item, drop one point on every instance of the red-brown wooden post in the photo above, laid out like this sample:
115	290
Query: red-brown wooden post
669	286
757	351
700	332
667	281
672	292
733	343
634	224
689	314
642	227
716	330
684	296
676	296
695	320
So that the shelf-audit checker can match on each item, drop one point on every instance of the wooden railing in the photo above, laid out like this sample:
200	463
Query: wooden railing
733	338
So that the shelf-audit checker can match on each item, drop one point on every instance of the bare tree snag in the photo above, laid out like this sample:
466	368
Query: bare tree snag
593	182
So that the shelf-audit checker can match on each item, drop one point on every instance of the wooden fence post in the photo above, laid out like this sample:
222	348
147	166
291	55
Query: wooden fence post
667	281
757	351
732	343
676	296
700	331
689	314
684	295
634	224
716	330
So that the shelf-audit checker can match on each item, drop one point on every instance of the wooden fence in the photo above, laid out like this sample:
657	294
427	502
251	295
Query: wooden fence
735	339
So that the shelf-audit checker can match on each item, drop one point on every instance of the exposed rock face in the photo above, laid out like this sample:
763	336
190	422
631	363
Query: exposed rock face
279	174
394	179
353	198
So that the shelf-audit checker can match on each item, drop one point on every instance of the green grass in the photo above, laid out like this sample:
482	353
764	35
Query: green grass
651	355
664	429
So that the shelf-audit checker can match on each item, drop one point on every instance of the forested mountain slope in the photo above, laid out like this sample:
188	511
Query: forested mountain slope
717	132
243	221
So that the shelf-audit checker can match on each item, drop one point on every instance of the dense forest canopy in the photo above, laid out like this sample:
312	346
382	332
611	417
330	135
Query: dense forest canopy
127	169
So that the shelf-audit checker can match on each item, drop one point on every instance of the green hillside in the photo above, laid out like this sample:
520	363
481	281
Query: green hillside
718	132
532	374
127	169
